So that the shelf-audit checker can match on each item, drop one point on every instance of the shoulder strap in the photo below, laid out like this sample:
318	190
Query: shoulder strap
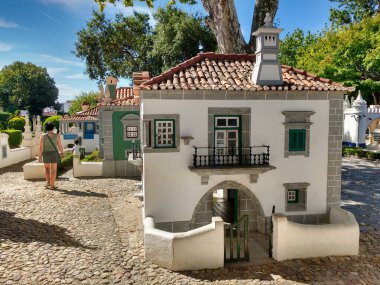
55	148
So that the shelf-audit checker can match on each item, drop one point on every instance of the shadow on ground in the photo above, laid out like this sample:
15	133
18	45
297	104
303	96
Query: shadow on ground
14	167
27	231
81	193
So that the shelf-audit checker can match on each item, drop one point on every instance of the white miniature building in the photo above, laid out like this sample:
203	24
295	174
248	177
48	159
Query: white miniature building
217	144
360	120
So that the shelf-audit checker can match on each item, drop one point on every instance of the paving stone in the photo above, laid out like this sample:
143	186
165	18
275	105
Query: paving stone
90	232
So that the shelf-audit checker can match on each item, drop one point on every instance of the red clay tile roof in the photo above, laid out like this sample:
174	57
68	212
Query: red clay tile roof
79	118
232	72
124	96
124	92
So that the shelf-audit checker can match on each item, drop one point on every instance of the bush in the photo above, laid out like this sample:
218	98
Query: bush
54	120
94	156
16	123
4	117
359	152
15	137
66	161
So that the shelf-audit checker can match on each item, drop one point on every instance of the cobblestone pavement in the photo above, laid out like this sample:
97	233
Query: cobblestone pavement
90	232
361	192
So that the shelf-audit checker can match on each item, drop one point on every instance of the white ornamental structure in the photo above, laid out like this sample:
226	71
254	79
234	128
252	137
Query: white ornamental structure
360	120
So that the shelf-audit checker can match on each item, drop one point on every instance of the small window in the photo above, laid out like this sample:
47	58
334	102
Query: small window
227	122
132	132
297	139
164	133
292	196
4	151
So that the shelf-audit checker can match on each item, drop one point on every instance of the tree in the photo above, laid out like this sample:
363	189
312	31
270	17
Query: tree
349	55
353	11
89	97
130	44
179	36
27	86
223	20
293	46
115	48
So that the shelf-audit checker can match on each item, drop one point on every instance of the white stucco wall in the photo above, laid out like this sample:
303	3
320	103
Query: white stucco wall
15	155
89	144
292	240
87	169
196	249
172	191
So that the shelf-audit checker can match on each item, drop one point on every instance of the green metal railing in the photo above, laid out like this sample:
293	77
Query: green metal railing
236	241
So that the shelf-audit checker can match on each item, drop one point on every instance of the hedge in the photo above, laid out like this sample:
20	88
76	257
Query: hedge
14	139
94	156
54	120
4	117
16	123
66	161
359	152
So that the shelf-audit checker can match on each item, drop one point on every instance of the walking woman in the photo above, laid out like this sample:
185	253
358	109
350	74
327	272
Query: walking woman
50	143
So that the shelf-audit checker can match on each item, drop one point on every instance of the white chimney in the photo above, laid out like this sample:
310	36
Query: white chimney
267	69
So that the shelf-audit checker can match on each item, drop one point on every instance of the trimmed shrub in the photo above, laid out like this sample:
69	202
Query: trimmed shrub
66	161
359	152
15	137
54	120
16	123
4	117
94	156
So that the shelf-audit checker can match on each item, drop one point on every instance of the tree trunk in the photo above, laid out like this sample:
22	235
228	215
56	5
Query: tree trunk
261	8
224	23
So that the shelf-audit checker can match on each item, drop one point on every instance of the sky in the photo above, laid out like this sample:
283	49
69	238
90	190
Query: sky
44	32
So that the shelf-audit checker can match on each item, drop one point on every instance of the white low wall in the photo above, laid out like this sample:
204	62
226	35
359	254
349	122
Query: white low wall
196	249
34	170
87	169
292	240
12	156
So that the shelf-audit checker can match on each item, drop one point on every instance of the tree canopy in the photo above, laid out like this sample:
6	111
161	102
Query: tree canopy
222	20
353	11
27	86
351	56
89	97
130	43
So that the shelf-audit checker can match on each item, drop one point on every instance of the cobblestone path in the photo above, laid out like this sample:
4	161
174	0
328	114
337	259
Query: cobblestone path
86	233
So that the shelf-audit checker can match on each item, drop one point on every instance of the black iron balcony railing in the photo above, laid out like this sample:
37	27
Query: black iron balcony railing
231	156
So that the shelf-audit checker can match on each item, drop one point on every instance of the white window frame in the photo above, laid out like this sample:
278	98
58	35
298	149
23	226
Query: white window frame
226	118
158	130
131	132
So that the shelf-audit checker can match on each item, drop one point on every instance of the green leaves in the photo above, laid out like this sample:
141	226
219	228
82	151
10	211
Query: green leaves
352	11
89	97
27	86
129	43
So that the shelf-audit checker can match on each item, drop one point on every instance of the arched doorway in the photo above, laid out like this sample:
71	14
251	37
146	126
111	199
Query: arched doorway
232	201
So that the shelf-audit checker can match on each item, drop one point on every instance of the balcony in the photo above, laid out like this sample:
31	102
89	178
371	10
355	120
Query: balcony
252	160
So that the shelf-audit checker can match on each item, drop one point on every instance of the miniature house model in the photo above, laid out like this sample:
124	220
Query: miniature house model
227	139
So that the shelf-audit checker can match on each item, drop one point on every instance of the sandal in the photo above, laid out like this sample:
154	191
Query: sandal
54	188
47	185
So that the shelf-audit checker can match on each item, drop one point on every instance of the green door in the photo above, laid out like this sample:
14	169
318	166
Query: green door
233	200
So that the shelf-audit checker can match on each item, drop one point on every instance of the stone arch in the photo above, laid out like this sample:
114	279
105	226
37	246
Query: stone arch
249	205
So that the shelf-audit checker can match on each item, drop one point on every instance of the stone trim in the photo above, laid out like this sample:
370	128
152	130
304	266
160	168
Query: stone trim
249	205
301	205
297	120
149	119
242	94
334	166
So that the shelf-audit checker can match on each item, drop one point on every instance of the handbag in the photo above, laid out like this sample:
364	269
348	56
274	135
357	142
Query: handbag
56	150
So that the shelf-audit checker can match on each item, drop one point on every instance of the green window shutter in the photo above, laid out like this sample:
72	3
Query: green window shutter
297	140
